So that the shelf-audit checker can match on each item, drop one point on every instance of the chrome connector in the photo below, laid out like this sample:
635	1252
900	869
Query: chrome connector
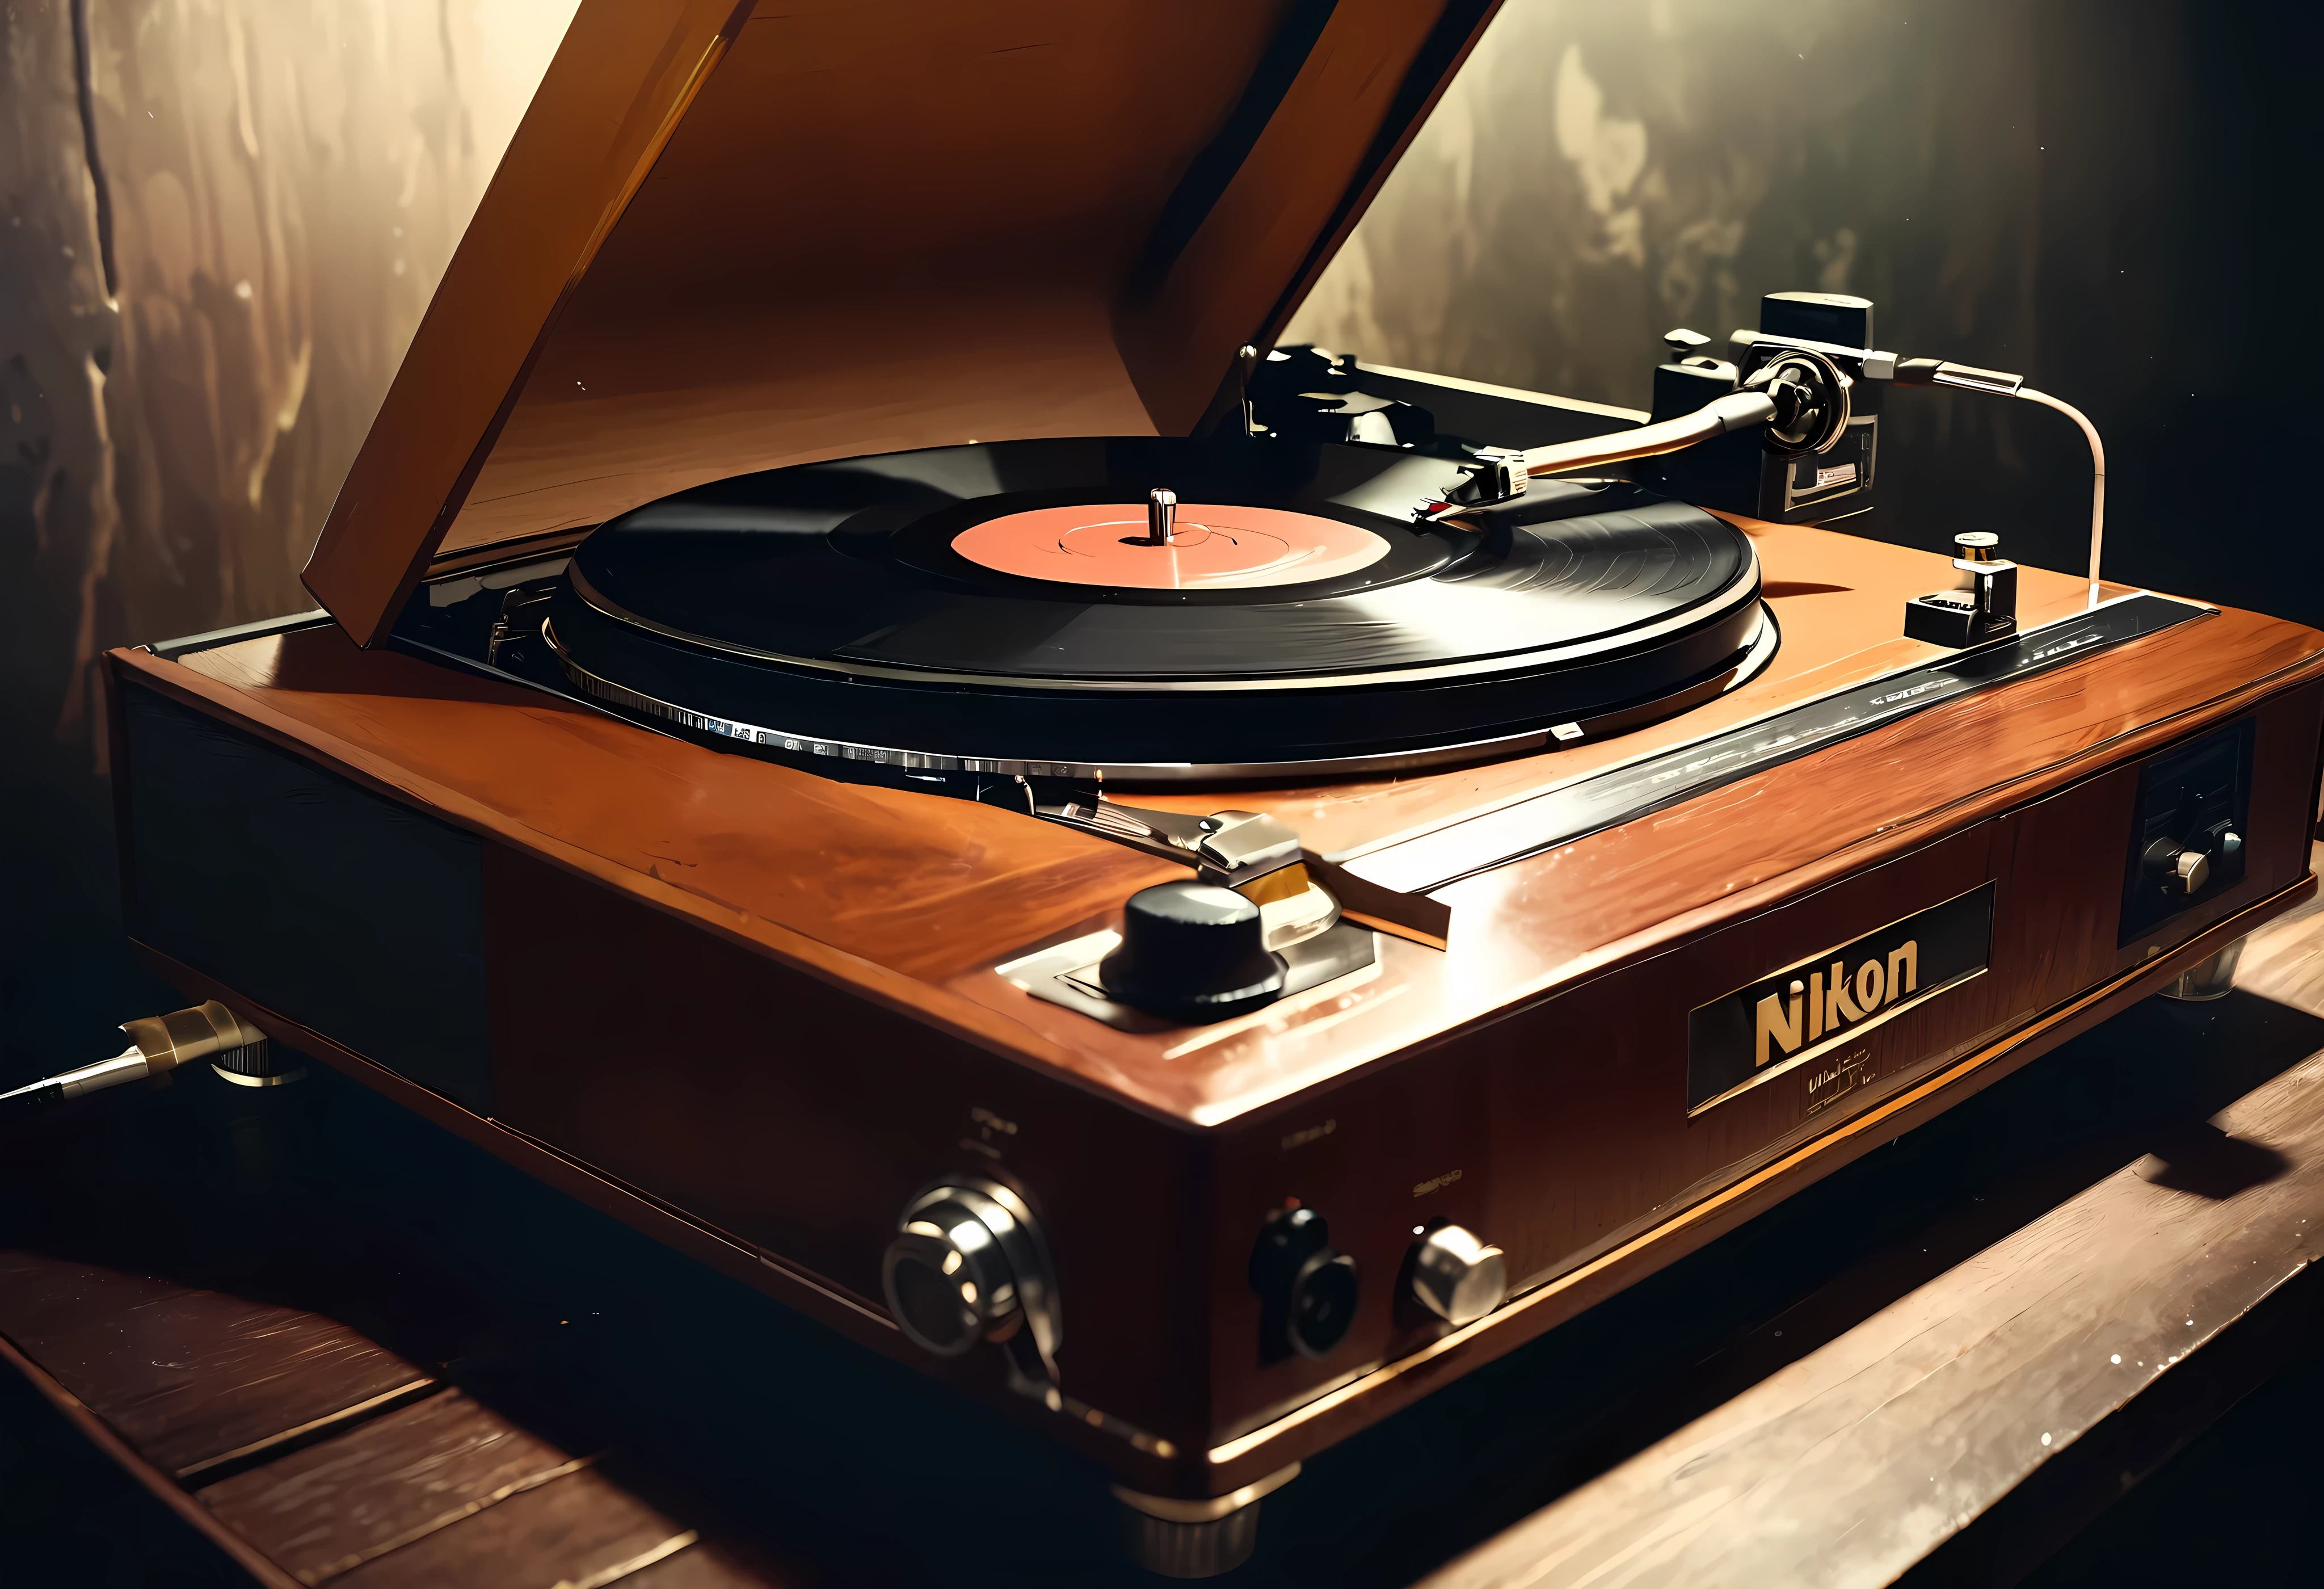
1930	372
159	1044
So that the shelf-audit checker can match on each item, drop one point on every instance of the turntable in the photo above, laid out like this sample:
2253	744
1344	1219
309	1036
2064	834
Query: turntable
862	724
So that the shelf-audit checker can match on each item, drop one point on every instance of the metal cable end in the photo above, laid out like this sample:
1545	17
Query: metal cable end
159	1044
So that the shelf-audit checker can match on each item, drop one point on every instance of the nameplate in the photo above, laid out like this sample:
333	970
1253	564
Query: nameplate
1806	1010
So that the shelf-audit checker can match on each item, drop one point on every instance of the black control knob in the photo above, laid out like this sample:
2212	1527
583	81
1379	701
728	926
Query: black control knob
2180	870
1191	951
1306	1288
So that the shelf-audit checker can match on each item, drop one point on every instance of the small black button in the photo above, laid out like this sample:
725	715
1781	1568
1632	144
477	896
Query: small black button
1307	1290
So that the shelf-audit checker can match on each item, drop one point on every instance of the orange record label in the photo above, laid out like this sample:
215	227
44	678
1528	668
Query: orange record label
1214	548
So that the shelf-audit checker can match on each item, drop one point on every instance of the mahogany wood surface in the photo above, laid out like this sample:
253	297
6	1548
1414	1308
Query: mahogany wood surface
612	97
693	1096
721	1250
911	900
1859	1460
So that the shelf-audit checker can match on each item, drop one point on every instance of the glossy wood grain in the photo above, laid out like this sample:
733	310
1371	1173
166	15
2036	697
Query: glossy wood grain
790	1114
613	95
186	1375
688	1232
912	899
1855	1462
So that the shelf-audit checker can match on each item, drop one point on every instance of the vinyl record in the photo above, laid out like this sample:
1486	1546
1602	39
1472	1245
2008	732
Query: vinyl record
1006	609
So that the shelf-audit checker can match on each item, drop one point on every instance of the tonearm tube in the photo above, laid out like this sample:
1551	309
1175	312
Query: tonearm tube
1801	397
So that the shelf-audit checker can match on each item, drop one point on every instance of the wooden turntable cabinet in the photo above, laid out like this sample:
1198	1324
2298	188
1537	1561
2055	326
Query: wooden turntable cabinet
1619	991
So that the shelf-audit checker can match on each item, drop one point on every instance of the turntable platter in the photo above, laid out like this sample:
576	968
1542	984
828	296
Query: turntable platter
1003	608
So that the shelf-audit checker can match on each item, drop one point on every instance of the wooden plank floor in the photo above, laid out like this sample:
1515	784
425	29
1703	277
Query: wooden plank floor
1860	1460
341	1462
193	1378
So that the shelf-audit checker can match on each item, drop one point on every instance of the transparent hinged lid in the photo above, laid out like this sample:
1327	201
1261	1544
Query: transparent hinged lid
731	239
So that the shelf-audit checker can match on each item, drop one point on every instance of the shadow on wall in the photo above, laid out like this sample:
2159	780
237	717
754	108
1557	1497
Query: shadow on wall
2111	196
219	226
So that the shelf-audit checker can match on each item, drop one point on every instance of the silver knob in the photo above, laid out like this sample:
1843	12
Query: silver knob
968	1265
1458	1278
2190	872
1161	515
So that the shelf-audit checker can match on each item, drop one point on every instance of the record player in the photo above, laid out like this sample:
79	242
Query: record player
870	722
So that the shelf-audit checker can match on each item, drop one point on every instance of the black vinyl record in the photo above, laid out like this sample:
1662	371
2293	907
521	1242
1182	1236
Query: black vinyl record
1004	608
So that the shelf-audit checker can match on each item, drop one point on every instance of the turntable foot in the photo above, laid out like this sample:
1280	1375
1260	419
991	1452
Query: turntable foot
1174	1539
2214	978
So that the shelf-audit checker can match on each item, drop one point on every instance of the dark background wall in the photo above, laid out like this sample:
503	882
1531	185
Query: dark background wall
2115	198
220	225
